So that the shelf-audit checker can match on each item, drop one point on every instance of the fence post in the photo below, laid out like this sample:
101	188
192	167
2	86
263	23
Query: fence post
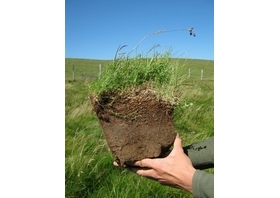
73	72
189	73
100	68
201	75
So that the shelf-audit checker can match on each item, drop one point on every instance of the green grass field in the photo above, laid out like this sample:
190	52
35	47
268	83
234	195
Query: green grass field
85	69
89	171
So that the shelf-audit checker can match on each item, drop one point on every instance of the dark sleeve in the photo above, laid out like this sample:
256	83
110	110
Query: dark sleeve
203	184
201	154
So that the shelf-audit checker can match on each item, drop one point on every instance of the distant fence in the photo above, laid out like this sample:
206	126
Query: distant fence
202	75
95	73
77	73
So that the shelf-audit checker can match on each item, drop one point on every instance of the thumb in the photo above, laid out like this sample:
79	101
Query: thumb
177	145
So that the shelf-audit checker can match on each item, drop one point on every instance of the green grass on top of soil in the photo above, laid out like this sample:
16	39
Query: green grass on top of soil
125	73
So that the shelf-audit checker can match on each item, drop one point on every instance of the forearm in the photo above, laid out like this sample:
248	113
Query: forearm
203	184
201	154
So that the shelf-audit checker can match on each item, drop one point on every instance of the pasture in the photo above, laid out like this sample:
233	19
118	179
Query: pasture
89	171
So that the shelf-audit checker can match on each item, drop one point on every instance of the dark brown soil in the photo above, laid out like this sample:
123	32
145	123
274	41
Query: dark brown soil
136	125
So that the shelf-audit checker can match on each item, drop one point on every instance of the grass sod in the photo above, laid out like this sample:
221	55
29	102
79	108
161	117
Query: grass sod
88	164
124	73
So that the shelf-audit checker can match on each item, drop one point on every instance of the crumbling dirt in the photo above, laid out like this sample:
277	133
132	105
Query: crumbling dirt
136	125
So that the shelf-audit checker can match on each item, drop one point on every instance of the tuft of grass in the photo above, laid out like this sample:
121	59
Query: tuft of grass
124	74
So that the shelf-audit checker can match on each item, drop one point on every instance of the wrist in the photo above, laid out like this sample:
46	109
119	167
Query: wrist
188	180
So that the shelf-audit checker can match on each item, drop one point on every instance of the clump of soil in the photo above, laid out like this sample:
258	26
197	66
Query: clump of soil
136	124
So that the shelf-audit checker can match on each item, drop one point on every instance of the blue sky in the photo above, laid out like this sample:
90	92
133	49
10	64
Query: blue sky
95	29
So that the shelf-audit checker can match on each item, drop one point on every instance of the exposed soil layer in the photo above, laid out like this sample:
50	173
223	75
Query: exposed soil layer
136	125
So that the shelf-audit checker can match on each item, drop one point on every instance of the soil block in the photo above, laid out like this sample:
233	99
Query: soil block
136	124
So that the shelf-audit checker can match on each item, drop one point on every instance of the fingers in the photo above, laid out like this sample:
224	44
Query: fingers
138	163
142	163
146	172
148	163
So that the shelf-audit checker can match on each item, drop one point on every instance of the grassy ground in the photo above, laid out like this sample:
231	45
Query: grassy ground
88	163
86	69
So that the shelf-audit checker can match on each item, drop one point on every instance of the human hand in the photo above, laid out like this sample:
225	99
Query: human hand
175	170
